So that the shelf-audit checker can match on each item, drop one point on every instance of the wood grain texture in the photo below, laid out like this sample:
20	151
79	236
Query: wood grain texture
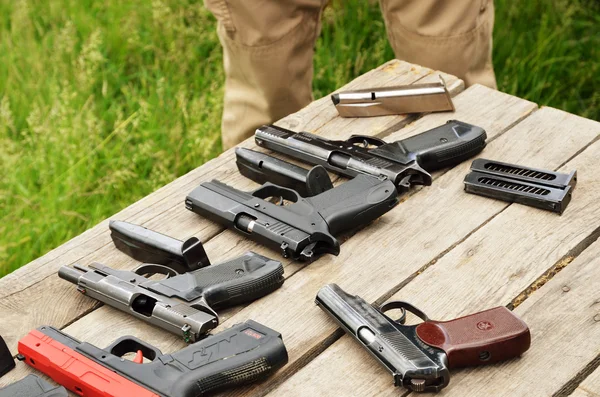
563	318
590	387
472	252
290	310
24	302
160	201
489	268
507	108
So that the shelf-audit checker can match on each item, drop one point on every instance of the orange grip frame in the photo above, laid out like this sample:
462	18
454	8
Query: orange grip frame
75	371
480	338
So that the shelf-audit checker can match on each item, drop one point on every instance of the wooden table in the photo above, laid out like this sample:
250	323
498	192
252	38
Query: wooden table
447	252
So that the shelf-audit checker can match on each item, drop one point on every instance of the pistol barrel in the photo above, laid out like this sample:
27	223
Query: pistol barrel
70	274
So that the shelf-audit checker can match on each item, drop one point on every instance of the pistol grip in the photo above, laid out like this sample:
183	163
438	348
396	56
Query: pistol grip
480	338
355	203
243	279
245	353
446	145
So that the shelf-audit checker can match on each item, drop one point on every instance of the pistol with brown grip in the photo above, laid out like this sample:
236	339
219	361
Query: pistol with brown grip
420	356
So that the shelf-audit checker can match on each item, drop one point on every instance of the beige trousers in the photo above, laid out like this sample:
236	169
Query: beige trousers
268	50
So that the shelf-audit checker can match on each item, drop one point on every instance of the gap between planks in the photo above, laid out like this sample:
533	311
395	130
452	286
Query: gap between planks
590	386
402	72
571	209
431	119
580	378
517	107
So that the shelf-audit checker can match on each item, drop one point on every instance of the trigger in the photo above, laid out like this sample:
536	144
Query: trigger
406	182
139	357
277	200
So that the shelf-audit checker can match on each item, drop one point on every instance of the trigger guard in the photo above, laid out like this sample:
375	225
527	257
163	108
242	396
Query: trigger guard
371	140
404	307
272	190
128	344
151	268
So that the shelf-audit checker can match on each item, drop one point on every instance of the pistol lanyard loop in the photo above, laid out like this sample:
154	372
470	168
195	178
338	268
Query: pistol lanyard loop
404	307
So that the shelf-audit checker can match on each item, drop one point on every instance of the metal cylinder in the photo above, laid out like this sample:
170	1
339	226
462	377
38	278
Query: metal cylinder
70	274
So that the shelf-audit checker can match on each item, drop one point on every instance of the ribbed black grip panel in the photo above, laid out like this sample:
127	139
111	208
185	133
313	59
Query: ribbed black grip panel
255	288
244	374
459	153
239	280
221	273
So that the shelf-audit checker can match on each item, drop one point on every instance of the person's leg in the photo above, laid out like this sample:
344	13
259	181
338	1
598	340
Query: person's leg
268	50
454	36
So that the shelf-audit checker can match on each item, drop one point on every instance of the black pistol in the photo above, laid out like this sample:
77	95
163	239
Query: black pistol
304	228
406	162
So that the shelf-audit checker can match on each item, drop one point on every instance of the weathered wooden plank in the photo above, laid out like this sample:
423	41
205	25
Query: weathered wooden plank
415	223
420	226
491	267
393	72
590	387
24	304
564	317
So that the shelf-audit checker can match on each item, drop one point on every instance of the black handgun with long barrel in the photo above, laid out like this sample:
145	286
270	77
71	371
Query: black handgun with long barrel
420	356
306	227
406	162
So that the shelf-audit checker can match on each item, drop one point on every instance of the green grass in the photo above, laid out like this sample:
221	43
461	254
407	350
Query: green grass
102	102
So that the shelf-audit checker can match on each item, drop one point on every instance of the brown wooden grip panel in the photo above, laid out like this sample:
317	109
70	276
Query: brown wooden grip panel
481	338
